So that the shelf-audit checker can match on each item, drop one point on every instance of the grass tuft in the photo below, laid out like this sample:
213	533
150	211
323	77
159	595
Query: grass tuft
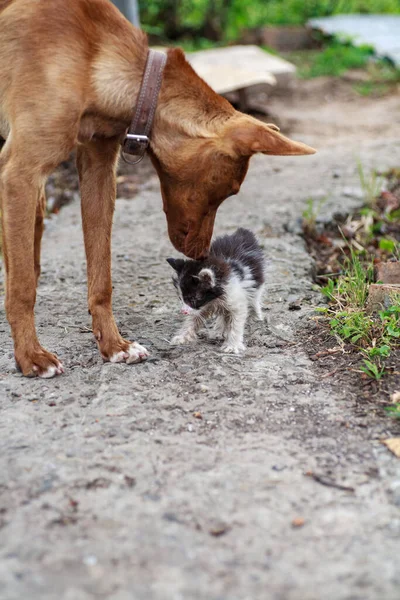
374	336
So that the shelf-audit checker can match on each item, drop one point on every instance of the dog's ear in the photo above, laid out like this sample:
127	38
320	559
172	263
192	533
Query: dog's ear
176	263
251	136
207	276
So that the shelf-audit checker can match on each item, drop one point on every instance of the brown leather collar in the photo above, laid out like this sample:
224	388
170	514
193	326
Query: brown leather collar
137	138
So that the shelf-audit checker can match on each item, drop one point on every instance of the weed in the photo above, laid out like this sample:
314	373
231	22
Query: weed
310	214
394	411
373	335
371	183
173	19
333	60
372	88
351	288
373	370
378	352
390	319
199	43
387	245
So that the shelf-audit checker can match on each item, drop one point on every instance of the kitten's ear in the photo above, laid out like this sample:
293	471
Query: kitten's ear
207	276
176	263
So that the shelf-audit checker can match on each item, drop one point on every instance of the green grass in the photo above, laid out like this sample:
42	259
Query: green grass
394	410
337	57
297	12
383	79
196	44
371	183
310	214
374	336
229	18
371	88
333	60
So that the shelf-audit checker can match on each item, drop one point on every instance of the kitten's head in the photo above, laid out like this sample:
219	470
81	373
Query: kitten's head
197	282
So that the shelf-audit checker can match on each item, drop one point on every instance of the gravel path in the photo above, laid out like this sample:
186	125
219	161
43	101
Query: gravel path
112	488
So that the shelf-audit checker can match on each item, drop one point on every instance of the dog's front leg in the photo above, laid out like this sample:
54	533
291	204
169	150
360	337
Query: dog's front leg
96	163
21	192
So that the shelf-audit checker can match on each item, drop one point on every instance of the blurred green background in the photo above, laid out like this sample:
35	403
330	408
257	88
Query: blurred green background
225	20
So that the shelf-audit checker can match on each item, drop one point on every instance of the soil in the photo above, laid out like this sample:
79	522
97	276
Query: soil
331	242
198	475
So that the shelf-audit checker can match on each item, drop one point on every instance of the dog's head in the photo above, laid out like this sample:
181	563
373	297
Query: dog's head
201	149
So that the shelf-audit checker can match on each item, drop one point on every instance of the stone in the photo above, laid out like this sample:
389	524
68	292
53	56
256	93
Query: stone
380	31
245	74
226	78
380	296
287	38
248	61
388	272
282	38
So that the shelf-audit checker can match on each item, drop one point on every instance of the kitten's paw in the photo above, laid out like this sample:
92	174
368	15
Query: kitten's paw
229	348
219	332
183	338
257	314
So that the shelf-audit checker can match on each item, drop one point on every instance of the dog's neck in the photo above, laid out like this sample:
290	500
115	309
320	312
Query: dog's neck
186	113
116	81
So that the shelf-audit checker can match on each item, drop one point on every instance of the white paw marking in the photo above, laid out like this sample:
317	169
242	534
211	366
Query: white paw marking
51	371
187	310
136	353
233	348
179	340
219	331
118	357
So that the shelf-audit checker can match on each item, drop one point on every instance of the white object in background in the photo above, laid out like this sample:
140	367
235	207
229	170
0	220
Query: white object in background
130	9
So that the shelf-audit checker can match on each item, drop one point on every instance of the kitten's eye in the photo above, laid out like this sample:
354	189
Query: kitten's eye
195	279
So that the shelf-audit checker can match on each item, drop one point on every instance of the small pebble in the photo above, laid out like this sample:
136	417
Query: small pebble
298	522
90	560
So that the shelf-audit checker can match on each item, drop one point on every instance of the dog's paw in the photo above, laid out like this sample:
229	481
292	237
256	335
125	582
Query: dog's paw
183	338
230	348
51	370
134	353
39	363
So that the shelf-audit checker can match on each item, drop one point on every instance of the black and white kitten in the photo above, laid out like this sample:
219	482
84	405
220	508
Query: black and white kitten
225	285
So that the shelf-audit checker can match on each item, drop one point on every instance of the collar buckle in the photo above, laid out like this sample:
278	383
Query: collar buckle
136	145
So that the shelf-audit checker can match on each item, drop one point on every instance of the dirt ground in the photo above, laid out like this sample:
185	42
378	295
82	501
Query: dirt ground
201	476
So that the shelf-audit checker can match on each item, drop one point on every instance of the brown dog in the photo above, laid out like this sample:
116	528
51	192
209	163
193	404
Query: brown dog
69	77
